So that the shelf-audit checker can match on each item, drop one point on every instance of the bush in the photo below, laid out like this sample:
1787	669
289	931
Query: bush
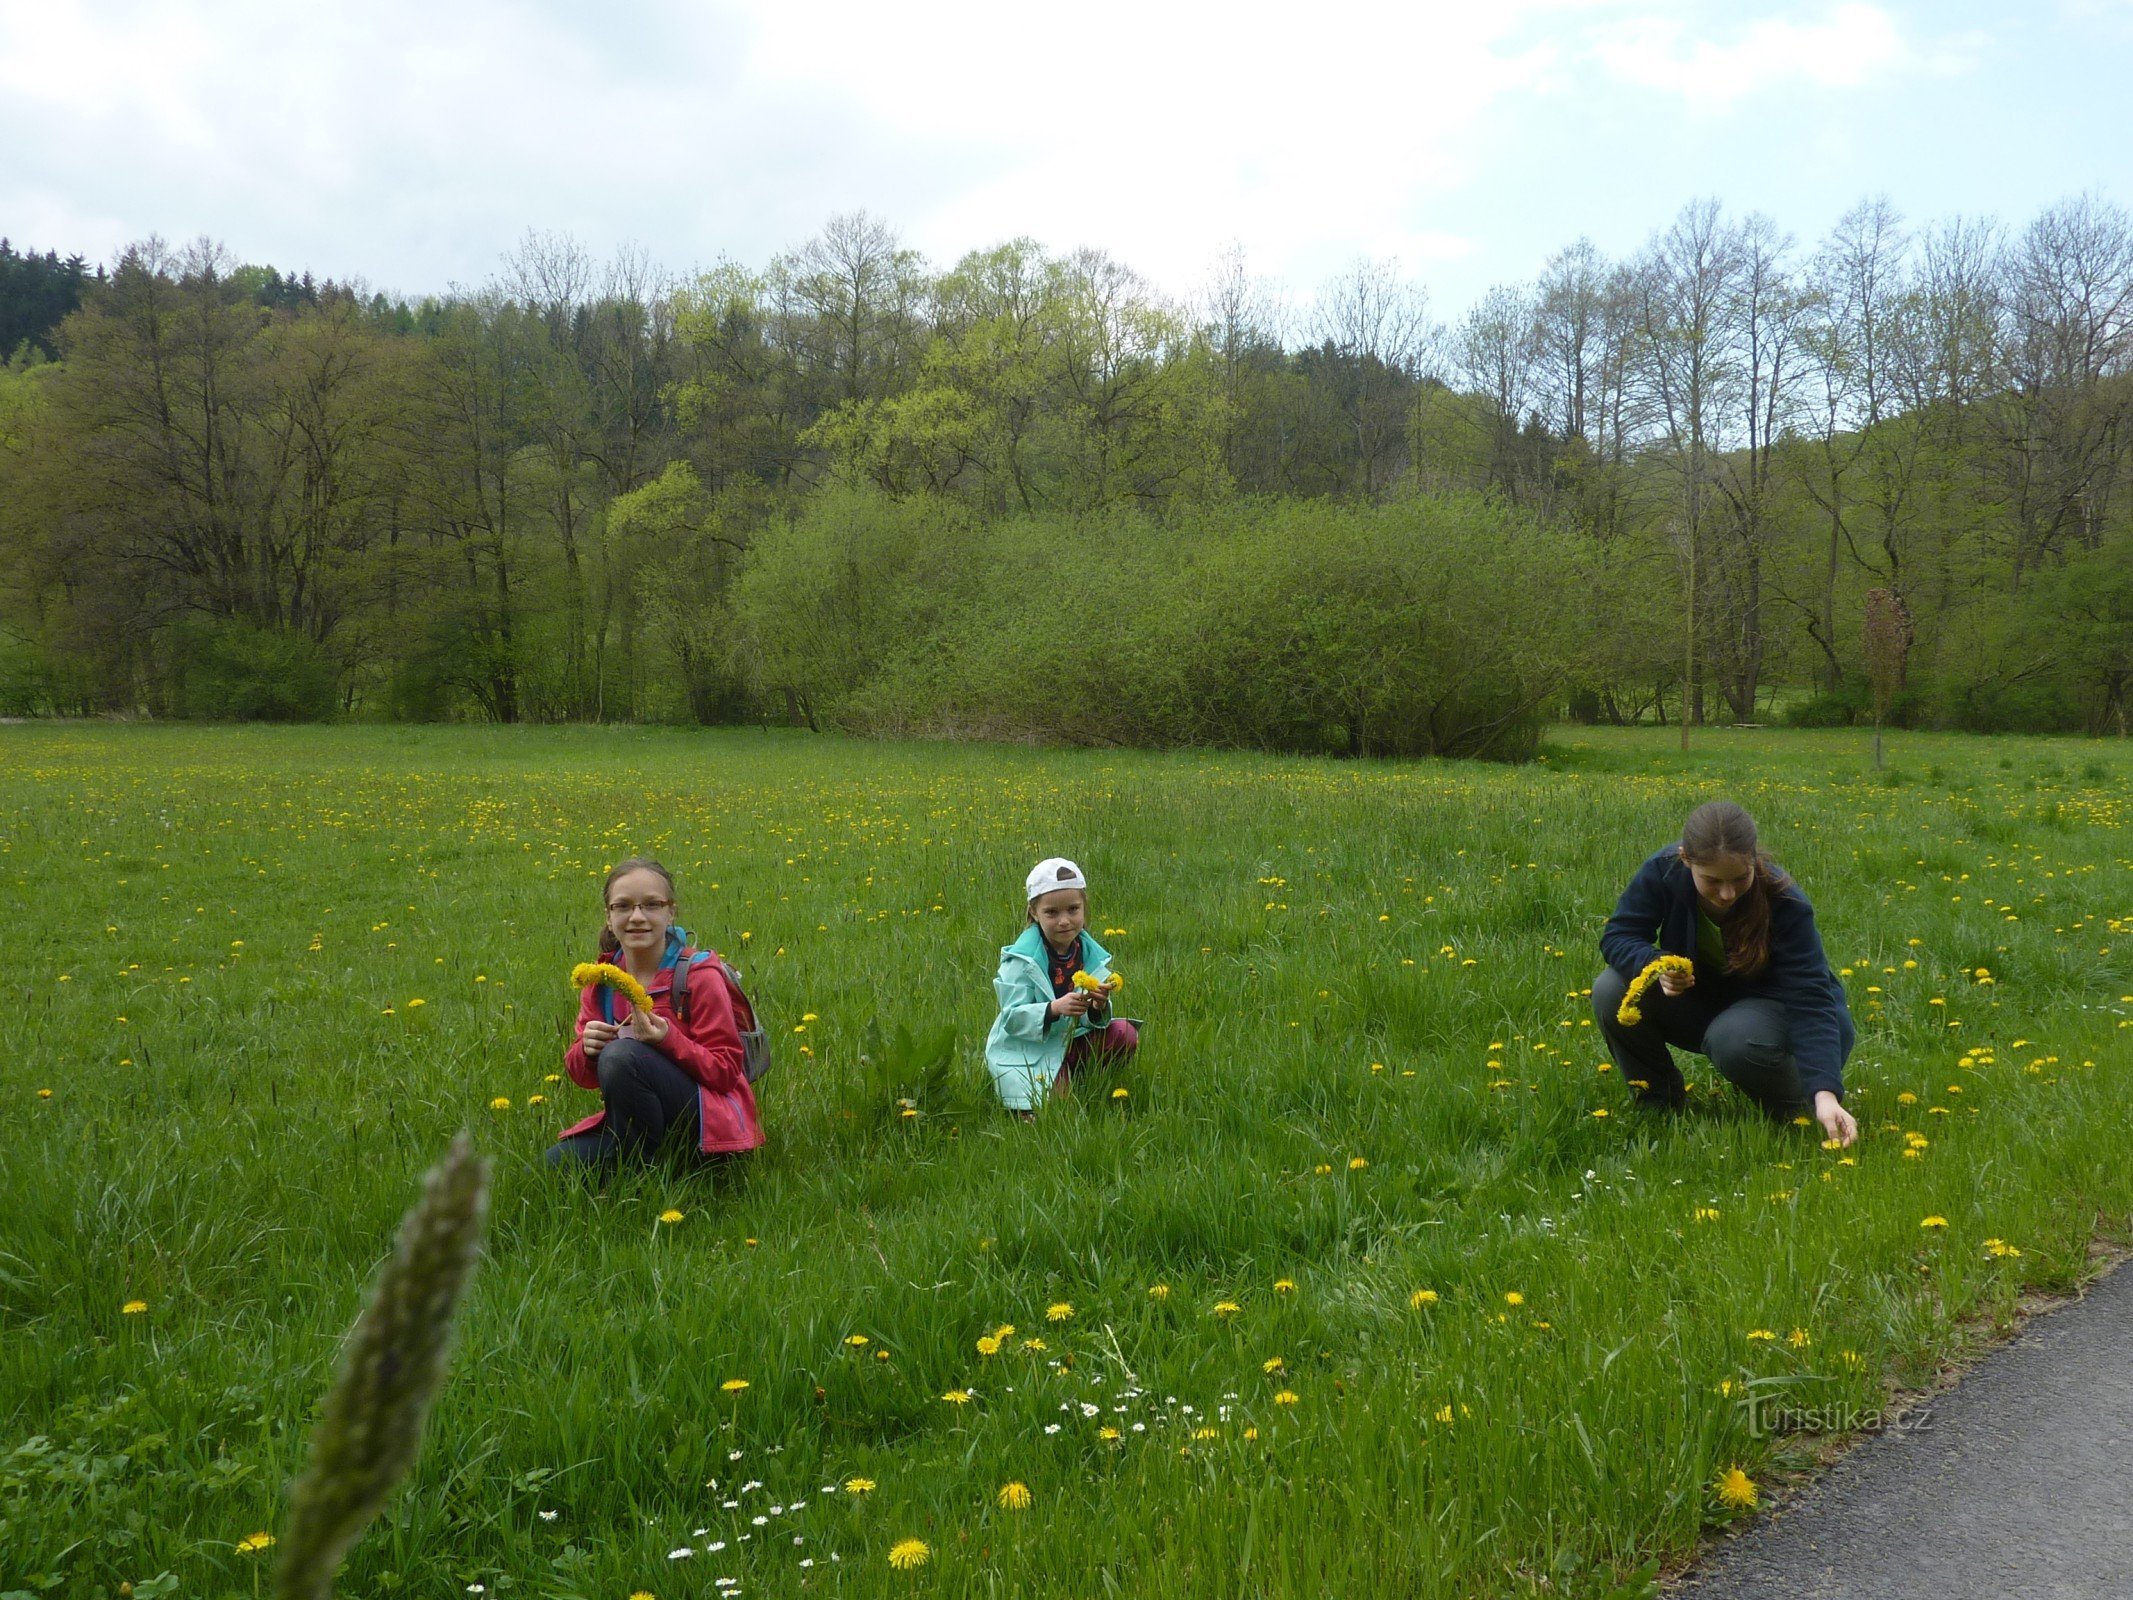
1839	709
2032	705
25	680
231	671
1429	627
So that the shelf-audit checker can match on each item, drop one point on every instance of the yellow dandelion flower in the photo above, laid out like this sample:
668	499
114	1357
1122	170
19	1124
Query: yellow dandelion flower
988	1345
1107	1434
252	1543
858	1341
1058	1312
1273	1364
733	1386
1014	1496
1004	1331
670	1215
1287	1397
2000	1247
1514	1298
1736	1489
1421	1298
44	1094
907	1555
133	1308
1035	1344
1907	1098
1119	1093
536	1099
1284	1285
1159	1291
1357	1163
1934	1222
607	974
1444	1415
858	1485
641	1594
1799	1339
957	1397
1227	1308
501	1103
1761	1335
1707	1213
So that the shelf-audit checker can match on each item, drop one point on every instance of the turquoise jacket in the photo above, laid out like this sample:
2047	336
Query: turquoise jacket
1021	1053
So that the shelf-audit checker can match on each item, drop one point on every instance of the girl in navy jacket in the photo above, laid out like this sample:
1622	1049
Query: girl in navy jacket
1759	1000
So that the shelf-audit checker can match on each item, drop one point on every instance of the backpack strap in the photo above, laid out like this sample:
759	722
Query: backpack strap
678	985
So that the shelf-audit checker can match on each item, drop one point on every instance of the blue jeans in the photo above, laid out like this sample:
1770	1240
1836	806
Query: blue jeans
649	1100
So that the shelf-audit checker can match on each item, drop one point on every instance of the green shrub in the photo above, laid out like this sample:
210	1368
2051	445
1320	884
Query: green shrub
2032	705
1434	626
25	680
1838	710
231	671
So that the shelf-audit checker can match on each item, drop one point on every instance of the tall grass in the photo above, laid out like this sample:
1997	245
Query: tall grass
1367	1073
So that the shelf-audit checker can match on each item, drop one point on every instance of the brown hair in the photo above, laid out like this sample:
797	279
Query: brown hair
1721	828
609	944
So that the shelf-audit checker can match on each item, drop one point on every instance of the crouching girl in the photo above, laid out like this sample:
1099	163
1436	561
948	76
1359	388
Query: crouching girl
1048	1029
1713	949
664	1071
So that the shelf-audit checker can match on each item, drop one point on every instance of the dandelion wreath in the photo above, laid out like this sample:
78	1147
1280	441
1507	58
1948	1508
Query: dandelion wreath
1629	1014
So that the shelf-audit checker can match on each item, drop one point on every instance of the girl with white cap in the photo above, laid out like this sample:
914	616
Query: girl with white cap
1048	1028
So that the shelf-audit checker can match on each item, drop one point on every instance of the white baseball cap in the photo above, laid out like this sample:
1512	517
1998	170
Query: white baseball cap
1054	872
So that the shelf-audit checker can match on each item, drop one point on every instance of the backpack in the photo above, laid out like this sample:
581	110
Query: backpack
755	1042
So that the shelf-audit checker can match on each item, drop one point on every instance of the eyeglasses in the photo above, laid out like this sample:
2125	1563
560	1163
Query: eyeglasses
622	908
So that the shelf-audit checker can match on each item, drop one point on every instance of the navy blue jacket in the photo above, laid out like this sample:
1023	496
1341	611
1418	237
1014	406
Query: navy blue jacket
1660	903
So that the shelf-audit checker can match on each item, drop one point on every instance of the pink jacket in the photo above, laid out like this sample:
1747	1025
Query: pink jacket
709	1051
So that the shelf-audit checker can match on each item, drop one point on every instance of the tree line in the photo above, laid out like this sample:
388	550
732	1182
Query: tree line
852	488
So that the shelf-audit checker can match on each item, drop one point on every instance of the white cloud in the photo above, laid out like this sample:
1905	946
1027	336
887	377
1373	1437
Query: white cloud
414	141
1846	46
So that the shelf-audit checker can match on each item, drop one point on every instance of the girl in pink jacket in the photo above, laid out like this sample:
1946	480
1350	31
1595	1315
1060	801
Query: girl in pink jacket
659	1078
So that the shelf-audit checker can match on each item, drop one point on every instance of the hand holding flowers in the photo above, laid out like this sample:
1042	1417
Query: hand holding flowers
598	1033
1673	974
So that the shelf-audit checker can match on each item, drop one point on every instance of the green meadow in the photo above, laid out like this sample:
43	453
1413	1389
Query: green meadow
1364	1279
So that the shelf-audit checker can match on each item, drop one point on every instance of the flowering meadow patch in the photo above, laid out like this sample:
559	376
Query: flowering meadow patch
1341	1282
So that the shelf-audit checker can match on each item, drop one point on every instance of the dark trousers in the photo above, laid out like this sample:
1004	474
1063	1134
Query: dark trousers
1748	1040
648	1099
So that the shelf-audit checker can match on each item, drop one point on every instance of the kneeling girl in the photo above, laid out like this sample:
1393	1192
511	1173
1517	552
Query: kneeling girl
660	1076
1048	1029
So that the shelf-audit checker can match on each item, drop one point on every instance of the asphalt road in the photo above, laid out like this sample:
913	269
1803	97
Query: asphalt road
2019	1483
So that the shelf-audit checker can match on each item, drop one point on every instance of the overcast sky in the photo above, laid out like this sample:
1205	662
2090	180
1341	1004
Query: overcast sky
413	144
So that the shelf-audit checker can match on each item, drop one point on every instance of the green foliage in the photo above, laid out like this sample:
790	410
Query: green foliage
232	671
1434	625
543	501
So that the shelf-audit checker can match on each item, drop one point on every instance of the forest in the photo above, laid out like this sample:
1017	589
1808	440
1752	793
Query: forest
1732	477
